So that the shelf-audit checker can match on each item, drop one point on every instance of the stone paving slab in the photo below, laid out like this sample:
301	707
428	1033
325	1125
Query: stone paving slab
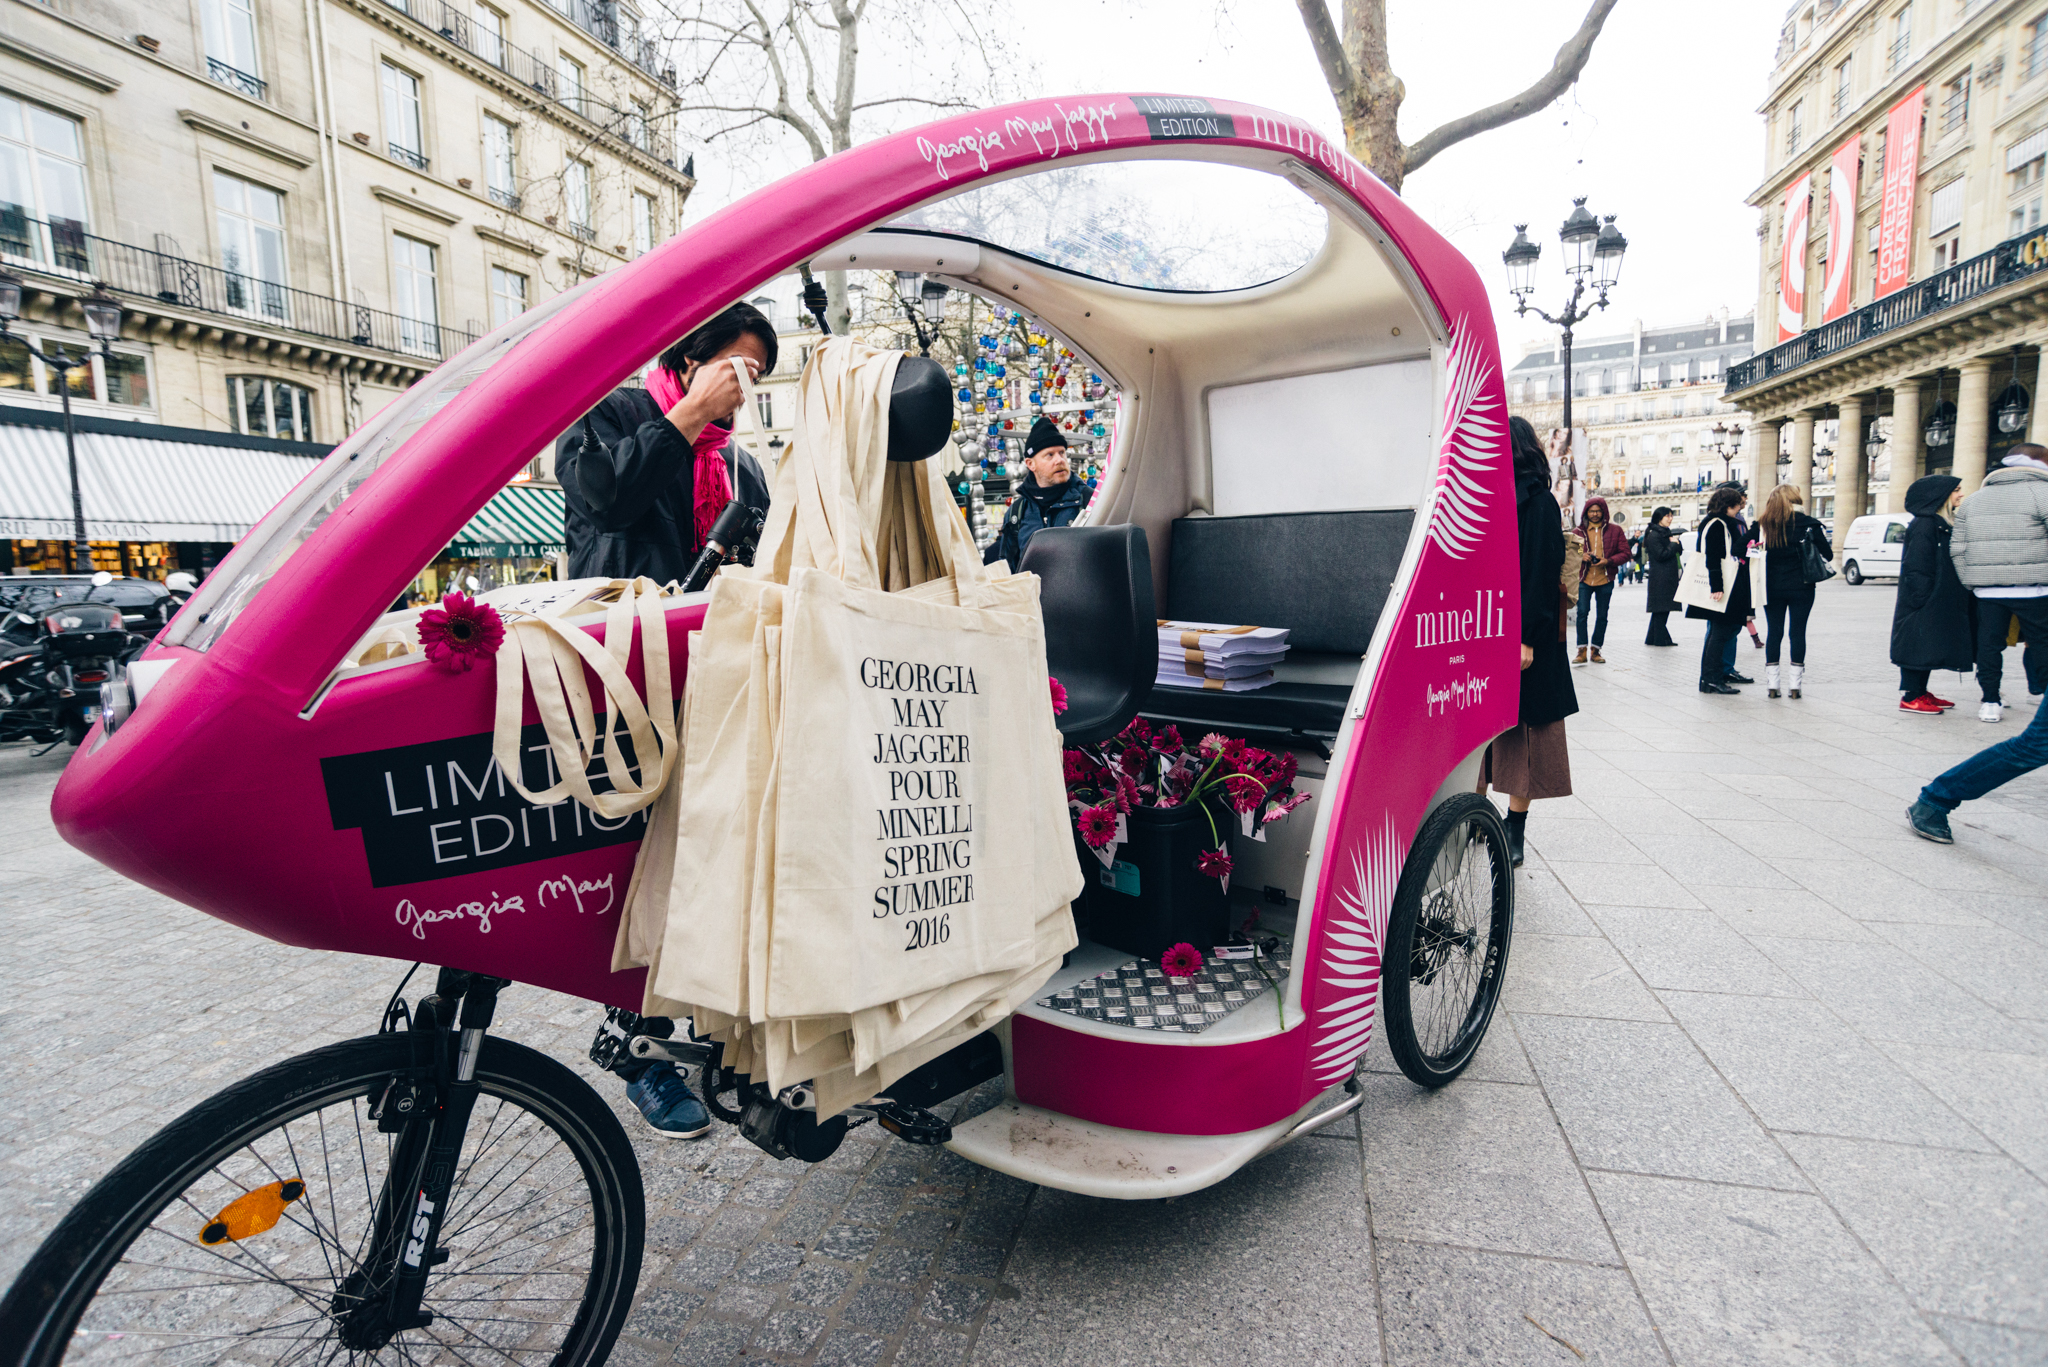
1769	1085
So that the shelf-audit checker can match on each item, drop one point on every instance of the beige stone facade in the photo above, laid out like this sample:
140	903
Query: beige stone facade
1967	328
305	205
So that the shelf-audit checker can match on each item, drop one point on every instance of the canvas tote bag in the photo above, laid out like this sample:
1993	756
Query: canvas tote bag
1695	589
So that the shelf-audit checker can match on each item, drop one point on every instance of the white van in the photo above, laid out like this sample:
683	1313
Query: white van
1873	546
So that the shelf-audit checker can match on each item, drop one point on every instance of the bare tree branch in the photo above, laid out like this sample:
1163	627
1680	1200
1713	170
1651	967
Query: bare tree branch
1329	45
915	99
1571	60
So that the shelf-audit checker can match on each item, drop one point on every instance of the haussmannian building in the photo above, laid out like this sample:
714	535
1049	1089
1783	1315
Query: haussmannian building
302	207
1901	304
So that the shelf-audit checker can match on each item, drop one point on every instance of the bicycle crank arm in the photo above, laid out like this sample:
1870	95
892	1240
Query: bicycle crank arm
683	1052
911	1124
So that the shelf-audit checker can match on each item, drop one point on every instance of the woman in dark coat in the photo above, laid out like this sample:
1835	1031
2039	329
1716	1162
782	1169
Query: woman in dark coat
1723	544
1660	554
1786	532
1934	623
1532	761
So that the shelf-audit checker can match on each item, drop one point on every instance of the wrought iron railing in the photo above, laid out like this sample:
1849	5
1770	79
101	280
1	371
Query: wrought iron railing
583	231
599	20
2010	261
405	156
235	79
67	249
505	199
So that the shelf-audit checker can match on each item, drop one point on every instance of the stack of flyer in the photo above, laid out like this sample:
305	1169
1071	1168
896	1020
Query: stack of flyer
1229	659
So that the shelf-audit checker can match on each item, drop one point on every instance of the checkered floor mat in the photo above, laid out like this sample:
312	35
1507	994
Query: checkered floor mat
1140	995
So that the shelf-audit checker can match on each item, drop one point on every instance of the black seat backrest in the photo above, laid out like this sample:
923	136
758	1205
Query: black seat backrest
1101	629
1324	576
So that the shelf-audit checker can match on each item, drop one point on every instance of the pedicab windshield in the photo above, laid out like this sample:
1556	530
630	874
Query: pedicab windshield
1188	226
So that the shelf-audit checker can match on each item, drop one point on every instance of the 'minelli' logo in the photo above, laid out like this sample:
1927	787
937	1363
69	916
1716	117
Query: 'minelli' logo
1486	618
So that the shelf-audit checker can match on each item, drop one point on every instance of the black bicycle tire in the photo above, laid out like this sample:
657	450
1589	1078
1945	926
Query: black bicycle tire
58	1283
1402	1043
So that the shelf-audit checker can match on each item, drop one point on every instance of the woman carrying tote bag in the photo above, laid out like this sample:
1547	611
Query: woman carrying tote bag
1792	541
1715	588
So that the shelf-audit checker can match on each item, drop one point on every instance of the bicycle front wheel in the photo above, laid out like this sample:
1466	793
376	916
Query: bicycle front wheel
162	1261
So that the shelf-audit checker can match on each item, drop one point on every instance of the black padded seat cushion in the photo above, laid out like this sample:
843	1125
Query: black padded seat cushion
1324	576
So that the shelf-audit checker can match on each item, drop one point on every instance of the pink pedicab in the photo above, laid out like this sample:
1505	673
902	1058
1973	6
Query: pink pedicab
1323	448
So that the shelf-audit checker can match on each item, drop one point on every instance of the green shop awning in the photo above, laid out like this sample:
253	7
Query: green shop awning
520	520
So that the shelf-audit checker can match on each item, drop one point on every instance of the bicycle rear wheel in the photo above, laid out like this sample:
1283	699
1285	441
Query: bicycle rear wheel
542	1233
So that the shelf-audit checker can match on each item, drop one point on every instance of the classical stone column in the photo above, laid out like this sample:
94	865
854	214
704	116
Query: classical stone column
1763	458
1849	460
1973	423
1801	472
1908	453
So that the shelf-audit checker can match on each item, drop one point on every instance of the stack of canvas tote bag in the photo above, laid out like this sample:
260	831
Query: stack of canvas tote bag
865	856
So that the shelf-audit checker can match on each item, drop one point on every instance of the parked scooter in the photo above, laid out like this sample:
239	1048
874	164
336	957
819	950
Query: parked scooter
54	656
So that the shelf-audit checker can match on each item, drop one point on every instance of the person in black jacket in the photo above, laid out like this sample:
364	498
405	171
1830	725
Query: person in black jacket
1786	532
1660	554
1533	760
1934	622
1722	542
648	470
1049	495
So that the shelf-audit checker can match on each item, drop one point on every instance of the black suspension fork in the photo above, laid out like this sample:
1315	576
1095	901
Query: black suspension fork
420	1180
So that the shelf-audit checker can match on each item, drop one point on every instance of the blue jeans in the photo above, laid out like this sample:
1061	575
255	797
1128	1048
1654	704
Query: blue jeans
1989	768
1591	596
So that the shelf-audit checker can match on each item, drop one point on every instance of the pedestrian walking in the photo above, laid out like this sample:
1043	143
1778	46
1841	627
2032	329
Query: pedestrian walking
1660	554
1606	553
1744	530
1789	535
1532	761
1721	543
2000	549
1974	777
1934	622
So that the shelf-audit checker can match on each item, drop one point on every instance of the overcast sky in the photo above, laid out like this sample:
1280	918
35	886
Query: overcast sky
1661	130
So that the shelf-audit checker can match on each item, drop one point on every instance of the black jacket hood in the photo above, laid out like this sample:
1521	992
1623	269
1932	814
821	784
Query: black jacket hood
1925	495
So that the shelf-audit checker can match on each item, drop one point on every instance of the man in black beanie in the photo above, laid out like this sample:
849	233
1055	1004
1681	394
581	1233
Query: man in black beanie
1048	496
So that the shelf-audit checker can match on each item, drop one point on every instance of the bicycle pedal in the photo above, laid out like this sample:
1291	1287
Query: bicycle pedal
911	1124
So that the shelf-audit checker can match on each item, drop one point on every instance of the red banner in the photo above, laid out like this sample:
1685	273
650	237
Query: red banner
1901	176
1841	276
1792	260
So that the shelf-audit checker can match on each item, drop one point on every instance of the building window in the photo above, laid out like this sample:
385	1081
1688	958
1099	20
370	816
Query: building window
414	291
1844	82
1945	208
508	295
2034	59
764	404
1795	132
261	407
500	179
576	198
1901	51
489	27
251	220
403	125
644	233
2023	217
1877	158
1955	104
121	379
1947	253
571	72
42	185
637	131
229	28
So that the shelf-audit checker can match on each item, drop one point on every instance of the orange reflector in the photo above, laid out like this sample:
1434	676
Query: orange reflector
252	1214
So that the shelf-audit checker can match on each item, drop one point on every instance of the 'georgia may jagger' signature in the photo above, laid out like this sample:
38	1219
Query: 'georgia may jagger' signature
582	892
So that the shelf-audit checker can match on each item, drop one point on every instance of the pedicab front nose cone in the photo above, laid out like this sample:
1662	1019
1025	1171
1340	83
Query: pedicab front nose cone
357	809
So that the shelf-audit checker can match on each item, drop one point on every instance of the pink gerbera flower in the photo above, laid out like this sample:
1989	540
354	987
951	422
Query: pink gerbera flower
1077	767
1212	744
1059	696
1098	825
461	632
1182	961
1214	863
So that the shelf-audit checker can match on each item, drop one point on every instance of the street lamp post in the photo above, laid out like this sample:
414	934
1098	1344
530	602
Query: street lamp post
103	323
1592	251
1727	444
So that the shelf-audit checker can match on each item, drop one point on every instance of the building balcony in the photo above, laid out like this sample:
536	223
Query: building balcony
2007	263
405	156
233	79
599	20
66	251
582	232
505	199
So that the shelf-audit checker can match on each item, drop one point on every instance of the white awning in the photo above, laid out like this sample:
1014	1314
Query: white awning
139	488
2026	149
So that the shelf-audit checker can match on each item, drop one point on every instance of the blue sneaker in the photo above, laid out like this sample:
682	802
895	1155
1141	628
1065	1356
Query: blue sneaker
668	1105
1930	823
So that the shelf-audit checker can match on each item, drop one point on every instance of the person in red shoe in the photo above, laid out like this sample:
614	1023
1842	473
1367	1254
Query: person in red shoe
1934	622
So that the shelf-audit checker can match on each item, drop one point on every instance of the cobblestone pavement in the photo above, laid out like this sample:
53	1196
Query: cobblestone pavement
1770	1086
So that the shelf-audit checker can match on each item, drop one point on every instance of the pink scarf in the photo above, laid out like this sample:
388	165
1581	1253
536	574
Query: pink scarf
714	489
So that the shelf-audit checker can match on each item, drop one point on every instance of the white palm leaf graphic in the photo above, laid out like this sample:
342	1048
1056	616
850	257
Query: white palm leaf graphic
1473	429
1351	956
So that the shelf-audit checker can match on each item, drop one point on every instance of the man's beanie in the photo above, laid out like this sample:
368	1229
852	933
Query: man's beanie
1043	434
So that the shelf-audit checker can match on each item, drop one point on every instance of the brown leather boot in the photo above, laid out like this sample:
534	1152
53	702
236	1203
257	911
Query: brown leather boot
1580	658
1596	656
